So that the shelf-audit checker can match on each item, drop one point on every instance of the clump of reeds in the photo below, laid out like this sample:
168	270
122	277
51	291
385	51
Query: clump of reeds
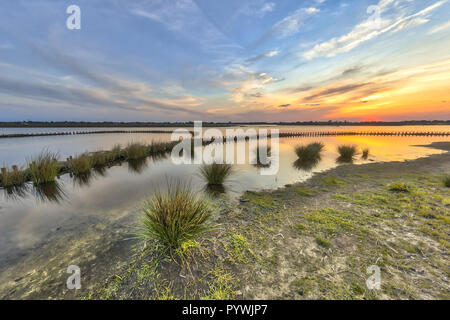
99	159
310	152
44	167
81	164
216	173
159	147
136	151
115	154
447	181
347	153
365	153
11	177
175	216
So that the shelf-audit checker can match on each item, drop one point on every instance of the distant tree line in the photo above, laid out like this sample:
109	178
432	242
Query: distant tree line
110	124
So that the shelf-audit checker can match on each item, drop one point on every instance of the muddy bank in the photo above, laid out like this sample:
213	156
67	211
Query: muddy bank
313	240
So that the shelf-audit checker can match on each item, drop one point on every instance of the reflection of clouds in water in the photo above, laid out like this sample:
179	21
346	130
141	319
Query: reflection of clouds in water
114	193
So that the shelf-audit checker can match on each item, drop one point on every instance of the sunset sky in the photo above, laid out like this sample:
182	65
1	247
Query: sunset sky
225	60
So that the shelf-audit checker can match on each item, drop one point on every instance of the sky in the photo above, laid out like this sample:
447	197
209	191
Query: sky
225	60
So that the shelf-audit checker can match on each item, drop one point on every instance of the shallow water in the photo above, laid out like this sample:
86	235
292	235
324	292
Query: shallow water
87	221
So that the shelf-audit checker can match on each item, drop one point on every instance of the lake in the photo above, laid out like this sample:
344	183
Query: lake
91	222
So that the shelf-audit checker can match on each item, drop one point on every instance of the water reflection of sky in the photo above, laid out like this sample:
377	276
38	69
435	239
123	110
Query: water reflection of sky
114	194
17	150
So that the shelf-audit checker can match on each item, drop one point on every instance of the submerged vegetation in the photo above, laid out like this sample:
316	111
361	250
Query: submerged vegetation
44	167
347	153
175	216
216	173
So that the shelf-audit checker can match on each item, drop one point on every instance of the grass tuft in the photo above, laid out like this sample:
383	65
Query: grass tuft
216	173
175	216
80	164
12	177
44	167
347	153
136	151
310	152
99	159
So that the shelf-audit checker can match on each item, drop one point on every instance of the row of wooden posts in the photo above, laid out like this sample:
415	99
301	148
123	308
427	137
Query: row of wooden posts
281	134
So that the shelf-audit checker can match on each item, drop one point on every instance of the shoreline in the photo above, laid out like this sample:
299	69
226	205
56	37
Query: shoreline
254	253
314	240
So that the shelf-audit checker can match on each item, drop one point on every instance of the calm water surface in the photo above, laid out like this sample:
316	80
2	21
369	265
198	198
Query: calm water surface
91	222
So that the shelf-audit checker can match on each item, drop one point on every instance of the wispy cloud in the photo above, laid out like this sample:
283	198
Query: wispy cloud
368	30
291	24
262	55
440	28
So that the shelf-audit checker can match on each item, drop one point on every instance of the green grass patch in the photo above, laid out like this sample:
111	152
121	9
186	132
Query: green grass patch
323	242
222	285
238	249
331	221
334	181
399	187
263	200
304	191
